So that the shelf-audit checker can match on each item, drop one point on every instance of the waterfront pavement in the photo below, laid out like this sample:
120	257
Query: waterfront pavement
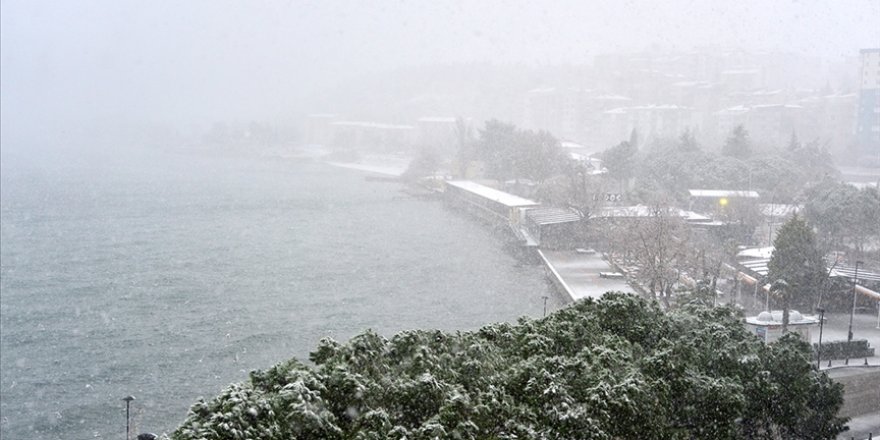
865	326
836	328
578	274
862	427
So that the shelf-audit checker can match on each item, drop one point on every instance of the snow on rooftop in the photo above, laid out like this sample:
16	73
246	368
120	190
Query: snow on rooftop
758	253
778	209
493	194
740	72
693	217
775	318
774	106
658	107
766	92
849	272
723	193
697	84
863	185
739	109
550	216
634	211
439	119
840	96
570	144
757	260
379	125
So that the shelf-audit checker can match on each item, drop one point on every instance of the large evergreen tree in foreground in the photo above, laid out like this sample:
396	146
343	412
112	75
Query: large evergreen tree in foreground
609	369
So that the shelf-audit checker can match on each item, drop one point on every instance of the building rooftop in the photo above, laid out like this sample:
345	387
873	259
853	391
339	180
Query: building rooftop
550	216
775	318
438	119
493	194
612	98
366	124
735	110
779	210
634	211
761	253
723	193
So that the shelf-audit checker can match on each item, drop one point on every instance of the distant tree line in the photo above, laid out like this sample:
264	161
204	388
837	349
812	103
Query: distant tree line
508	152
845	217
505	152
614	368
672	167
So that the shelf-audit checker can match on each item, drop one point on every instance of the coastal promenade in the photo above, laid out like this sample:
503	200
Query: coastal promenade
577	275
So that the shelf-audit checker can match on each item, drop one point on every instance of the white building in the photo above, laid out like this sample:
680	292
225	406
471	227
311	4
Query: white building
767	326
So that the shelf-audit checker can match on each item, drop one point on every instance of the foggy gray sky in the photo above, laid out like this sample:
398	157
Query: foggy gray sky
207	60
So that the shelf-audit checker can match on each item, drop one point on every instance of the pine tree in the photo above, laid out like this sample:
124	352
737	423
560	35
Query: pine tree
793	143
687	142
737	144
798	262
618	367
634	139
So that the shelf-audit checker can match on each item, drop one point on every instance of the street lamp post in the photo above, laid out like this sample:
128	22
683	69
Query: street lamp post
849	335
821	325
127	400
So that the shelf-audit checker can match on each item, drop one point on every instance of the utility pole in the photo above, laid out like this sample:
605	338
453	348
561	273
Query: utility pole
545	305
821	324
128	400
849	335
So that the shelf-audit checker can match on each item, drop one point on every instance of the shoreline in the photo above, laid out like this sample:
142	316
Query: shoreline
569	275
385	170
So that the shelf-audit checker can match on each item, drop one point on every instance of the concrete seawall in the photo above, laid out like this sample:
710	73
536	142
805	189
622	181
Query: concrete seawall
555	279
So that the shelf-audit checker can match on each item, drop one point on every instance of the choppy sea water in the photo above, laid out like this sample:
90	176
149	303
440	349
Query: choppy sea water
168	276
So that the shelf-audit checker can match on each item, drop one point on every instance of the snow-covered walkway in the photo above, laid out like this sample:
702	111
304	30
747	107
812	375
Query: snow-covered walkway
579	274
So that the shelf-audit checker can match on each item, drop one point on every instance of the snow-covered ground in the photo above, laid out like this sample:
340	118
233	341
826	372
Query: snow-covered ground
386	169
380	164
581	274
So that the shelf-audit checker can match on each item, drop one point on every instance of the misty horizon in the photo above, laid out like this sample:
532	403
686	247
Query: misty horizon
194	64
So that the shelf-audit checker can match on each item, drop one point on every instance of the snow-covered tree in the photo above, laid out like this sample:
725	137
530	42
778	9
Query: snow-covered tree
615	368
798	261
738	143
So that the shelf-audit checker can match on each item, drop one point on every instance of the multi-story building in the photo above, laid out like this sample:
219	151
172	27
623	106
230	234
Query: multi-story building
829	118
652	122
709	92
868	119
557	110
